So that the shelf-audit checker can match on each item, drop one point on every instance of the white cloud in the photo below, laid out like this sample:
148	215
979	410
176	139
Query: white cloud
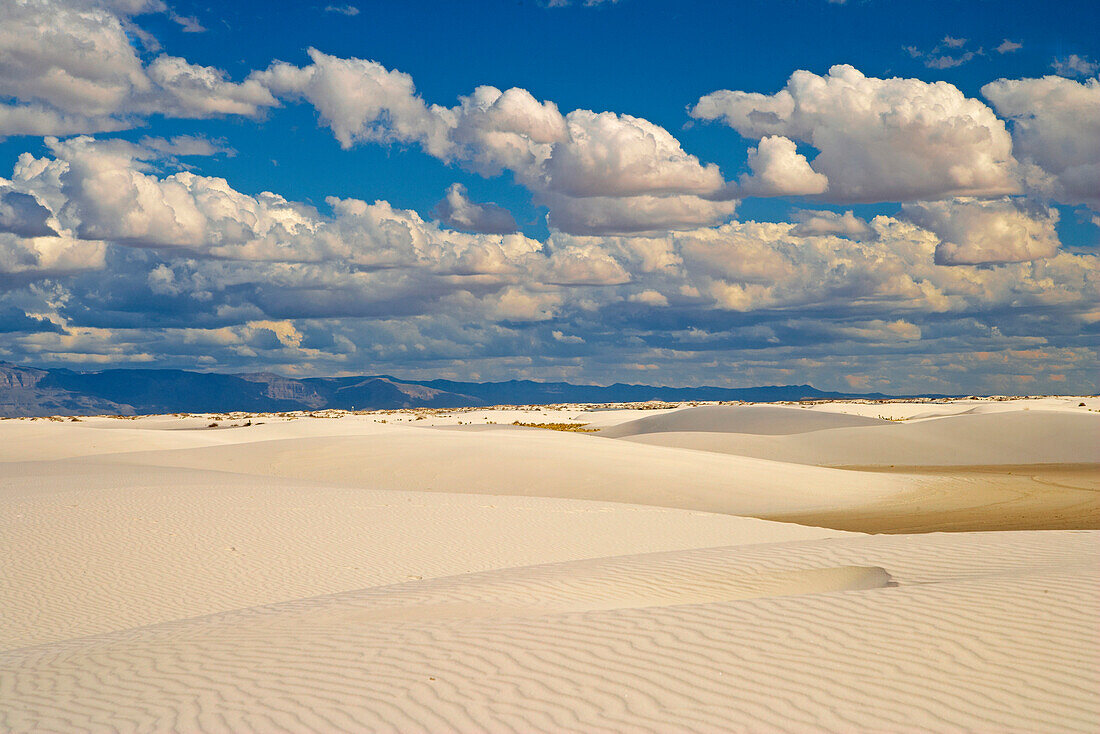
877	330
359	100
566	339
348	10
578	155
187	145
104	190
623	215
184	89
649	298
228	276
813	223
975	232
1056	125
948	61
618	155
38	119
1006	47
778	169
947	54
634	168
73	57
879	139
72	68
491	131
39	257
458	212
187	23
1074	65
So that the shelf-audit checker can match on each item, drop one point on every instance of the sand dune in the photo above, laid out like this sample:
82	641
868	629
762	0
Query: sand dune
980	633
539	463
961	498
1016	437
369	572
90	548
753	419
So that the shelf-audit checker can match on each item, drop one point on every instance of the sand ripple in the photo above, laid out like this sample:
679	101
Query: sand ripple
975	636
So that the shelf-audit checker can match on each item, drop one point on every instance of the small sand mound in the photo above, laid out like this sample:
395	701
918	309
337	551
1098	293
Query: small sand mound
764	420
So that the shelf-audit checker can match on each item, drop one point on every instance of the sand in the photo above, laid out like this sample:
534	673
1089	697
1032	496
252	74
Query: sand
448	571
972	498
1017	437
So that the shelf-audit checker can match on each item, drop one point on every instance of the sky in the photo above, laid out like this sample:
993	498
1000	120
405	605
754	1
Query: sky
864	196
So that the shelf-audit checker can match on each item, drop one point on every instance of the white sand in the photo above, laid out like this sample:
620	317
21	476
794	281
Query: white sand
1031	437
158	575
752	419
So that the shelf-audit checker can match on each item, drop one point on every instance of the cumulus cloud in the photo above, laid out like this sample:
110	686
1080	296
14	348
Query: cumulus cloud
218	273
579	155
21	214
1055	125
75	57
1006	47
626	162
632	214
879	139
184	89
458	212
491	131
72	68
358	100
109	192
38	119
814	223
619	155
33	258
778	169
976	232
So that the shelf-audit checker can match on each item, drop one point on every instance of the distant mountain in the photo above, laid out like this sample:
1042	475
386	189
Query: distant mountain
519	392
26	391
22	393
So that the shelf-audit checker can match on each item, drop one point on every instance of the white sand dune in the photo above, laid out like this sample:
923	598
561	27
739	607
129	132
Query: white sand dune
540	463
90	548
980	633
1002	437
754	419
350	574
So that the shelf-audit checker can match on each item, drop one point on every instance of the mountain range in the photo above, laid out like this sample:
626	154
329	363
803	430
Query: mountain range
29	391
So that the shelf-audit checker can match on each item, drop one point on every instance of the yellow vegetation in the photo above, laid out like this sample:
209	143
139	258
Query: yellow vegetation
574	427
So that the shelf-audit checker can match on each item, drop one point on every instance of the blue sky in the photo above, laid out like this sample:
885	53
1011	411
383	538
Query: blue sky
867	195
